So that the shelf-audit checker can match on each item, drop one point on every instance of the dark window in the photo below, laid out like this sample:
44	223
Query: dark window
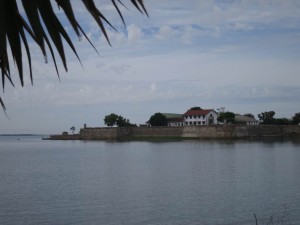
203	122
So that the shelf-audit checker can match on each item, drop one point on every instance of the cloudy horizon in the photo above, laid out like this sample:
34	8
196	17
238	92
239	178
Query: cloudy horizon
239	54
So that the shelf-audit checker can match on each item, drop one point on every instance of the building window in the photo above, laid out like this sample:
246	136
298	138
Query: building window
194	117
190	117
191	123
186	123
199	122
203	122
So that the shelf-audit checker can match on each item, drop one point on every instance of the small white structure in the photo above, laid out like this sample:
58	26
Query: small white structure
200	117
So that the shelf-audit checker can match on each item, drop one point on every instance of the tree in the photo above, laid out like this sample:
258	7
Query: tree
111	119
158	119
296	118
196	108
116	120
267	117
72	129
42	24
249	115
226	117
282	121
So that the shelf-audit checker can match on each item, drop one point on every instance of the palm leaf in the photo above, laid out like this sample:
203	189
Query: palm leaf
43	25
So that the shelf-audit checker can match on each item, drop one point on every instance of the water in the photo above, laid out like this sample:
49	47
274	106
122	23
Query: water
157	183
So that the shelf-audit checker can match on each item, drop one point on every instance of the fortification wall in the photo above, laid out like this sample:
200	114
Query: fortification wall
99	133
156	131
197	132
238	131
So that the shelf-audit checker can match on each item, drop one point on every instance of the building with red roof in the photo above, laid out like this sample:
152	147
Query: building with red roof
198	116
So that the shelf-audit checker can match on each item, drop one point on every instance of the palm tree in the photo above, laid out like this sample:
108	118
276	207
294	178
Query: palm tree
42	24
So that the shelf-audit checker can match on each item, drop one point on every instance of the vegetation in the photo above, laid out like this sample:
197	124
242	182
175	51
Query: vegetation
227	117
44	27
116	120
267	117
249	115
158	119
72	129
196	108
296	118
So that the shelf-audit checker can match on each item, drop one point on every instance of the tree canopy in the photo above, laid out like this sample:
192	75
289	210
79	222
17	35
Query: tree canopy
267	118
43	26
158	119
226	117
117	120
296	118
196	108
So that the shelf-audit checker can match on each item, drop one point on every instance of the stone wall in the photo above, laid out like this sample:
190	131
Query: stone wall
197	132
99	133
238	131
156	131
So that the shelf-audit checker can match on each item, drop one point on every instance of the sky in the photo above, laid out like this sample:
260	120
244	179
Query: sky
243	55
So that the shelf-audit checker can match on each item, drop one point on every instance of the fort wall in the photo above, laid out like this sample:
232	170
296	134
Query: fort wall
196	132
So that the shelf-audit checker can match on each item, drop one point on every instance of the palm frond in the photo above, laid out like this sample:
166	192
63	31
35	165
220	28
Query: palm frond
43	25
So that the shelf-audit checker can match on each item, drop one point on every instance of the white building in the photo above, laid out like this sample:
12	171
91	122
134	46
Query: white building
200	117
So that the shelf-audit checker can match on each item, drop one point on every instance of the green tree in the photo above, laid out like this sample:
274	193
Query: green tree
196	108
249	115
158	119
296	118
282	121
226	117
111	119
45	29
267	117
117	120
72	129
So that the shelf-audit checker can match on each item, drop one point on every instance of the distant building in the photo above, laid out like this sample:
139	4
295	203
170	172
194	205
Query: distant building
174	119
242	119
200	117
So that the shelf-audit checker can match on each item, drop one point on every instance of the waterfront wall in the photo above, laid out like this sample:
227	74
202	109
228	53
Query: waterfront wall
239	131
197	132
99	133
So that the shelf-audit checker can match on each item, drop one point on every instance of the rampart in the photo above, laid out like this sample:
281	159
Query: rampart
195	132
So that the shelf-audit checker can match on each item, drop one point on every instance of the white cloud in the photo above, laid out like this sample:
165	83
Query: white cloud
165	32
134	33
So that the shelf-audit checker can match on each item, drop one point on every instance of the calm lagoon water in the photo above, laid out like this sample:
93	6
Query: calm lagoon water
157	183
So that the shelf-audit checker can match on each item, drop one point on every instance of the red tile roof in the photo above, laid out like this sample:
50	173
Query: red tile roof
201	112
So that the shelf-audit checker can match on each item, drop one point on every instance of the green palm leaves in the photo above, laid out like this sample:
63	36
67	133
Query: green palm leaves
46	30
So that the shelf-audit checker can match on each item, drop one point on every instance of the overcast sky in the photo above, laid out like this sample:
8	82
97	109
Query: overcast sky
243	55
